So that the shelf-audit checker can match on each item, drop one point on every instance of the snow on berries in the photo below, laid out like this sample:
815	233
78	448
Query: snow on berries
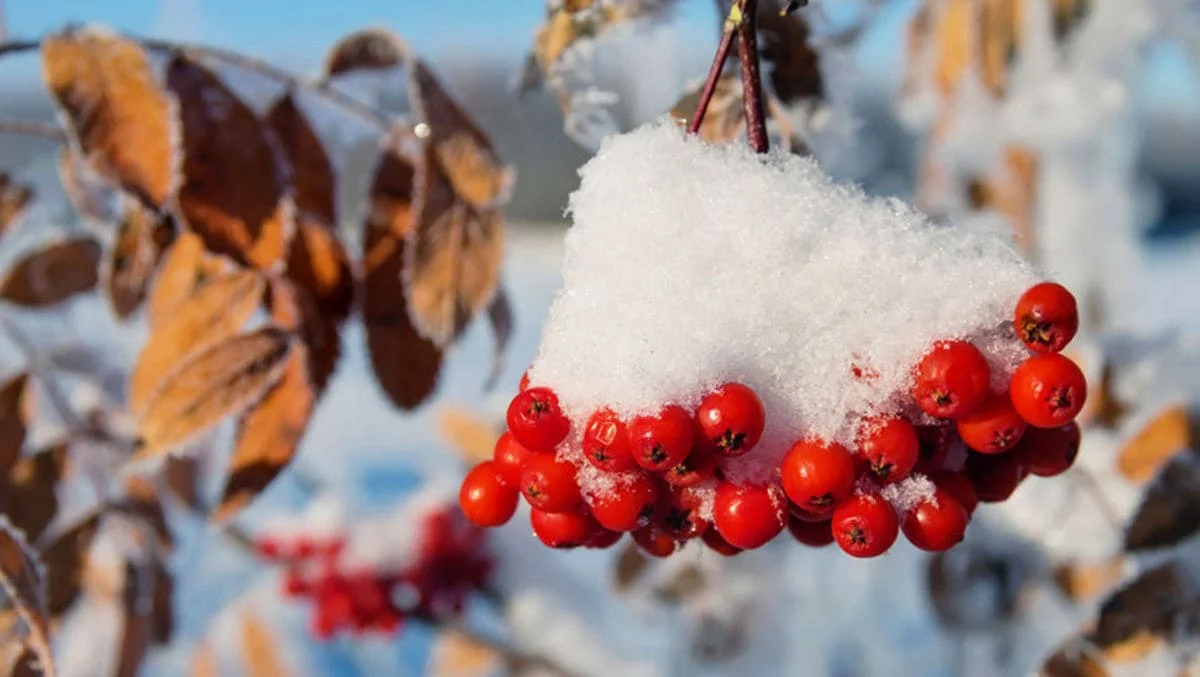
743	347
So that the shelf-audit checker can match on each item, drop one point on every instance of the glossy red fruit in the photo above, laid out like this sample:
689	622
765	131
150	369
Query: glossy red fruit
806	515
748	516
629	504
817	474
935	444
484	499
536	419
890	447
712	538
731	419
679	514
1046	317
295	585
812	534
994	427
696	468
606	442
865	525
951	380
661	441
655	542
550	485
994	476
604	539
959	486
510	458
1047	452
936	523
268	547
563	530
1048	391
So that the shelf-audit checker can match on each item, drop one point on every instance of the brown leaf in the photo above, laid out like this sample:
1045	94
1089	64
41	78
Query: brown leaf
53	274
367	49
1081	581
23	580
630	566
313	182
16	409
1068	15
185	267
457	655
215	312
121	118
218	381
1160	602
13	198
1163	436
260	648
472	437
452	258
792	64
1170	509
86	190
405	364
234	193
320	266
1073	659
270	432
183	480
23	662
147	614
500	317
143	504
141	238
723	120
66	560
30	500
569	23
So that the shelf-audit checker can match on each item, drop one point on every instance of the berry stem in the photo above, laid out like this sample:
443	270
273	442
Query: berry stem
752	94
714	72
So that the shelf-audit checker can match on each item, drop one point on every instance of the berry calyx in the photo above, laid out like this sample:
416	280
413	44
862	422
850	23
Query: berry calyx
536	420
812	534
696	468
510	458
679	515
936	523
1046	317
748	515
994	427
484	499
1048	391
817	474
628	505
951	380
549	484
890	447
606	442
663	440
731	419
865	525
563	530
1047	452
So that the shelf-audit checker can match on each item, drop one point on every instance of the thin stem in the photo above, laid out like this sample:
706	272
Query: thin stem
44	130
752	91
55	394
714	72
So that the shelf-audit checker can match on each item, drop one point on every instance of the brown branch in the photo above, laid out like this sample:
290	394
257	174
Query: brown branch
44	130
752	90
714	72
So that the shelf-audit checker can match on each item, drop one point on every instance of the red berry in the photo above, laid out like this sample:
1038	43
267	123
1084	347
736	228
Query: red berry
678	515
936	523
536	419
550	485
484	500
510	458
731	419
563	529
951	379
712	538
890	446
994	476
627	505
936	442
294	585
663	440
655	542
994	427
1046	317
1048	390
696	468
1047	452
807	515
606	442
269	548
817	474
865	525
604	539
814	534
748	515
959	486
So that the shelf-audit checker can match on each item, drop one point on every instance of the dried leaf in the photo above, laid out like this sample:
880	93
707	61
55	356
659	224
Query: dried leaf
218	381
313	181
23	662
1073	659
216	311
457	655
500	317
13	198
141	599
723	120
23	580
1159	603
143	504
1081	581
185	267
30	500
16	409
368	49
259	649
269	433
569	23
141	238
1010	189
66	560
792	64
123	121
320	266
631	564
1170	509
1068	15
234	193
86	190
53	274
451	260
204	662
183	480
472	437
405	364
1163	436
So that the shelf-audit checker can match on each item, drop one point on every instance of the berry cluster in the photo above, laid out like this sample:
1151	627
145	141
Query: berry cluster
667	478
448	563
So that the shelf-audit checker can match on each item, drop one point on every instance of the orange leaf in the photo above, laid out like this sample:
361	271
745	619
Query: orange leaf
204	662
216	382
473	438
260	649
121	118
457	655
790	61
234	193
723	120
185	267
13	198
30	499
313	182
216	311
16	410
320	266
367	49
53	274
141	238
1081	581
452	258
23	581
1164	435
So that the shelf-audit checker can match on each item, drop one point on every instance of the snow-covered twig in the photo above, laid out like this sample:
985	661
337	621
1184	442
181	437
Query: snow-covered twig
45	130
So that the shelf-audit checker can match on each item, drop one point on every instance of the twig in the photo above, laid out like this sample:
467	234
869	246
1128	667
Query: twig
58	400
714	72
752	91
44	130
513	655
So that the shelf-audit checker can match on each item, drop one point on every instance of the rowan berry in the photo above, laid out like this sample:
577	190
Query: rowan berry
1048	391
627	505
483	499
994	476
510	458
813	534
536	419
606	442
890	447
663	440
865	525
958	486
655	542
731	419
817	474
550	485
563	530
936	523
748	515
1047	452
679	514
951	380
696	468
1046	317
712	538
994	427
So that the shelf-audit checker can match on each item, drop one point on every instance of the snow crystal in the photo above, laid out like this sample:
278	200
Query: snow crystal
689	265
908	492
